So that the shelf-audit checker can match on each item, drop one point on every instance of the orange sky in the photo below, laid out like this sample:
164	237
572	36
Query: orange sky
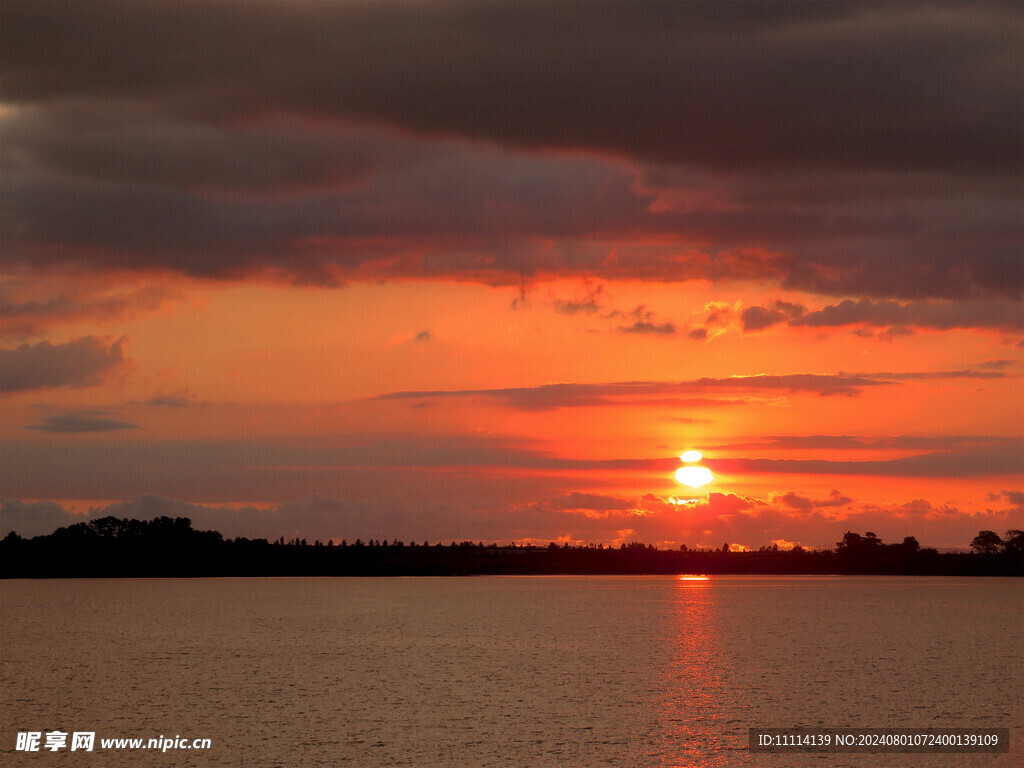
363	311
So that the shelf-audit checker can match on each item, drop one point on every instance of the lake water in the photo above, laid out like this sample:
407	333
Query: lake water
506	671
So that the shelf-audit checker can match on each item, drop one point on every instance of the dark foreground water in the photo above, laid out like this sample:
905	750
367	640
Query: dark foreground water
505	671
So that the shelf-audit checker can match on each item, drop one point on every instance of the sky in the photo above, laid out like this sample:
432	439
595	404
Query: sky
483	271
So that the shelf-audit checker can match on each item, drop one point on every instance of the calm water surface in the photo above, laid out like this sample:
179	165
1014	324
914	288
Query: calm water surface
506	671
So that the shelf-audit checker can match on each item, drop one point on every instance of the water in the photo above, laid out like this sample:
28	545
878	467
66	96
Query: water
506	671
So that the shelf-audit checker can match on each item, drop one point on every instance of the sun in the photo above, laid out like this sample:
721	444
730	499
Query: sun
694	476
691	456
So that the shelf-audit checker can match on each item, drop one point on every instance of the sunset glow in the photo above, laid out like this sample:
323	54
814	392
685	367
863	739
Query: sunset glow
432	272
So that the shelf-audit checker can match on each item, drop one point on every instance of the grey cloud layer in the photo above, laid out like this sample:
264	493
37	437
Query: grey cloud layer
570	395
24	317
81	421
943	316
87	361
730	85
998	461
497	471
325	142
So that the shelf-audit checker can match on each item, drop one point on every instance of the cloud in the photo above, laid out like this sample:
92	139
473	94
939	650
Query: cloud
33	518
589	302
132	142
1015	497
756	318
181	398
81	421
84	362
898	318
550	396
358	467
588	306
643	322
24	316
696	78
861	442
943	316
794	501
719	318
169	401
333	143
645	327
590	501
1001	460
963	373
411	470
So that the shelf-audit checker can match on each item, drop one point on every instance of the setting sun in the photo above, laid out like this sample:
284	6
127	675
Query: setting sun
691	456
694	476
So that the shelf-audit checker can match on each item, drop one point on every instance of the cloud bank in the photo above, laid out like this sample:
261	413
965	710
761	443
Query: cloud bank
503	142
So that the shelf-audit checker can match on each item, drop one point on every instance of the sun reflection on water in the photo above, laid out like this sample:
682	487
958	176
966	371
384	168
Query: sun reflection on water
694	729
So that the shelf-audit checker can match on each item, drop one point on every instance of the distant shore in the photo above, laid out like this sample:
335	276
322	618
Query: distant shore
166	547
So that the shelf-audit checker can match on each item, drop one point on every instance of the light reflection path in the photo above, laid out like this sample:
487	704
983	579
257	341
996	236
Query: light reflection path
694	725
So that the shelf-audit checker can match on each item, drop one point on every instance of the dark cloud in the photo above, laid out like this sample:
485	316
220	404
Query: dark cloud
332	142
591	301
856	442
128	143
424	335
898	318
794	501
84	362
34	518
756	318
590	501
169	401
588	306
81	421
875	233
645	322
181	398
1002	460
455	210
356	468
549	396
21	317
748	85
963	373
649	328
998	315
482	473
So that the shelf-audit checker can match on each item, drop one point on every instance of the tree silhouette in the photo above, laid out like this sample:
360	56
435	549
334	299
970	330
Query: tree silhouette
110	547
911	544
1013	544
987	543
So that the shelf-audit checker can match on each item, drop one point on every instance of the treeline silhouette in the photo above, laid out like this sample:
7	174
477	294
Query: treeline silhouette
170	547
